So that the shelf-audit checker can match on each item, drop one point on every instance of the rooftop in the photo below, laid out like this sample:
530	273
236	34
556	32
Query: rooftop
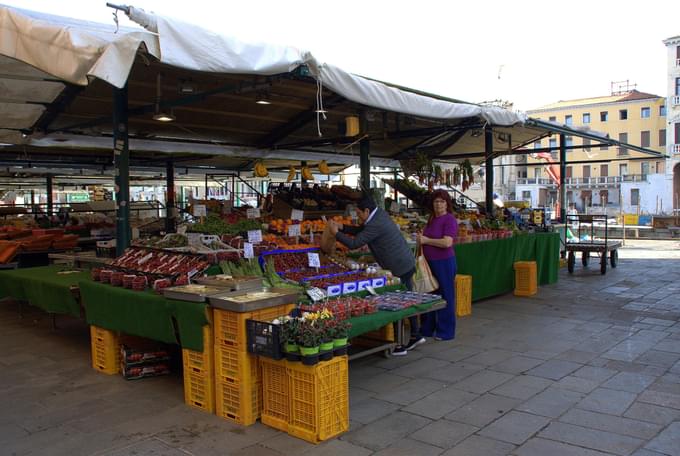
632	95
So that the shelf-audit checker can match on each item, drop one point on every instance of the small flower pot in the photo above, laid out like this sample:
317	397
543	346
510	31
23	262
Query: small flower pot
310	355
291	348
337	343
340	351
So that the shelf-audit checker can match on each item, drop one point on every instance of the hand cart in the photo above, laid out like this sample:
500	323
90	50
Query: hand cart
586	243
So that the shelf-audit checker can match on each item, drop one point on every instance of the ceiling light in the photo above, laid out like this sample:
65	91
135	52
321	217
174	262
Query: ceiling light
163	117
159	115
263	98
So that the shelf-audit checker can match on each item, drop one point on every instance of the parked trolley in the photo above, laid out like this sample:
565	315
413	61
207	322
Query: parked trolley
583	240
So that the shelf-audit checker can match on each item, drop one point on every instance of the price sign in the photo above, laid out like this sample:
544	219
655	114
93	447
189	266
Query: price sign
317	294
371	290
314	261
199	210
255	236
253	213
248	250
297	214
293	230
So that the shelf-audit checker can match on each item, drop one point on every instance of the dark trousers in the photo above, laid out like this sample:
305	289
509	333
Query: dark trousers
407	280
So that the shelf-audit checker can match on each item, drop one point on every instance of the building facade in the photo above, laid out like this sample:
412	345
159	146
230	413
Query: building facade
673	116
603	179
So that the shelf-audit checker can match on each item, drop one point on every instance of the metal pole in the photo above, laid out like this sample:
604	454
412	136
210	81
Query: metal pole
488	151
170	197
563	172
364	157
303	181
623	217
49	195
205	189
121	159
396	196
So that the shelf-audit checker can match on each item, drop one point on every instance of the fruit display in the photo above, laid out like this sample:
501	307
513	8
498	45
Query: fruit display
307	173
323	167
291	174
159	262
312	197
260	170
344	307
219	225
316	226
398	300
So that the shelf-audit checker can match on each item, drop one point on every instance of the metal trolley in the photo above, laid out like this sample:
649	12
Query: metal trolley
602	247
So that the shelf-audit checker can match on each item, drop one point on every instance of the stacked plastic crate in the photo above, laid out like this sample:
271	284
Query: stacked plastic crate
309	402
199	371
238	381
105	346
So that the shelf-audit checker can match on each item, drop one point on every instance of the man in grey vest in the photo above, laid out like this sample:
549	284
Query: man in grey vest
389	248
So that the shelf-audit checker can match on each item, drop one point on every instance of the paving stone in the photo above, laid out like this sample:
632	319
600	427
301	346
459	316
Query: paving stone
576	356
591	438
644	452
627	381
476	445
668	441
515	427
483	381
660	398
517	364
421	367
382	433
454	372
153	447
554	369
490	357
287	444
254	450
457	353
552	402
411	391
441	402
483	410
443	433
409	447
658	358
370	410
581	385
336	447
607	401
543	447
522	387
609	423
658	321
381	382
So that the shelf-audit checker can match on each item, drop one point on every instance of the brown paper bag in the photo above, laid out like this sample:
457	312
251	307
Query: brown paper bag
327	241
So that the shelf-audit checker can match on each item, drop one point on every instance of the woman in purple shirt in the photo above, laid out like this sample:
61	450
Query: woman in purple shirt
437	243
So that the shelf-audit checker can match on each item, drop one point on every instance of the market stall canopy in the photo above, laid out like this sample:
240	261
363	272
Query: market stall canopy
227	102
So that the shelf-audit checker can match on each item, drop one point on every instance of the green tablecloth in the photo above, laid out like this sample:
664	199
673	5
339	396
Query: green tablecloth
372	322
144	314
490	262
43	287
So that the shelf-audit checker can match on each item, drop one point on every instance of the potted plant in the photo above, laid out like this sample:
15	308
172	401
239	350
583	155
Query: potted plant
290	332
309	339
327	326
340	336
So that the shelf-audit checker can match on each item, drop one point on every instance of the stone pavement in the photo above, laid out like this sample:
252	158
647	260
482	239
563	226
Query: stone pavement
589	366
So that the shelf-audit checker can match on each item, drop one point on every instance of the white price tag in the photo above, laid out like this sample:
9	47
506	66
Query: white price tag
314	261
371	290
248	250
255	236
317	294
297	214
199	210
293	230
253	213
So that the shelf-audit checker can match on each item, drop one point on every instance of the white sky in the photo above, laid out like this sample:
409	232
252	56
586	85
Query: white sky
545	50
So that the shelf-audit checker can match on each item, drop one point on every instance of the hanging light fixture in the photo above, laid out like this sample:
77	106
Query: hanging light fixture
159	115
263	98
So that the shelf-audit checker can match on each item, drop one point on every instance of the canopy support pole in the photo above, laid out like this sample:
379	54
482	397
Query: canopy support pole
121	162
364	157
49	195
563	172
170	197
488	151
303	181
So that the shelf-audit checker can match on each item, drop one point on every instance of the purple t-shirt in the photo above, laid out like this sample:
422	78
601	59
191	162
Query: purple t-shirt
444	225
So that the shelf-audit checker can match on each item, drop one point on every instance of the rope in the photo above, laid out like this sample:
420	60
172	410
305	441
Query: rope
320	112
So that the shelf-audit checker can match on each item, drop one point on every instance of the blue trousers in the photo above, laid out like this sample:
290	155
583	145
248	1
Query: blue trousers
442	322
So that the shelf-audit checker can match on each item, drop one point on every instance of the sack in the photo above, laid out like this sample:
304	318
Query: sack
424	281
327	241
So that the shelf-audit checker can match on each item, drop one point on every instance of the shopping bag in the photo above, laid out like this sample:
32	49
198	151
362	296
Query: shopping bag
424	281
327	241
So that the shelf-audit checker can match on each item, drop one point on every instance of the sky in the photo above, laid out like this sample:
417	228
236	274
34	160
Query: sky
530	53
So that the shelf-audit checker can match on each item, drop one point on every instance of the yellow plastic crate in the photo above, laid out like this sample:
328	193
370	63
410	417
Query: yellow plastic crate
105	346
525	278
275	397
230	327
463	295
319	399
201	362
199	389
237	401
235	364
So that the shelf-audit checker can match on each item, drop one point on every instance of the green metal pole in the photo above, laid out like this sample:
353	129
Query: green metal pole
563	173
488	149
303	181
170	197
121	161
365	156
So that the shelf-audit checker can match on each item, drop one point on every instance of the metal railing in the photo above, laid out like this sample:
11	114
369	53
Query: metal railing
676	148
677	62
675	101
578	181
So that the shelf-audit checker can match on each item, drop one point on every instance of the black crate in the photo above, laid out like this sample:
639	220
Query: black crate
264	339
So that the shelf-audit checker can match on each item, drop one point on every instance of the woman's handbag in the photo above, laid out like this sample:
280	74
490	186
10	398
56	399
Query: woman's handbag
423	281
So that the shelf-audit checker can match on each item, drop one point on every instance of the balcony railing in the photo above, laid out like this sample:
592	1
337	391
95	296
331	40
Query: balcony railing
675	101
676	148
677	62
586	181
